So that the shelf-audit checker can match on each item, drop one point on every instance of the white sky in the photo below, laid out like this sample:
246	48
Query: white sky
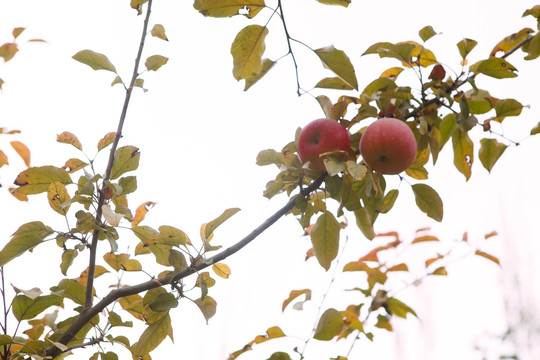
199	134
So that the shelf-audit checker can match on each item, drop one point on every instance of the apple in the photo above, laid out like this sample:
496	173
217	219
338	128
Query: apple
388	146
322	136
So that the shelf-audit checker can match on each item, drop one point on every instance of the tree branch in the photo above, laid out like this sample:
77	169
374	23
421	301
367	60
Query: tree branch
101	199
114	295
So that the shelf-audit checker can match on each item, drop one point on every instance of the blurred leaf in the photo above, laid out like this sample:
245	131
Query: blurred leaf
267	64
424	238
325	239
329	325
247	49
153	336
126	159
294	294
428	201
154	62
383	322
25	238
488	256
22	150
391	73
113	218
344	3
398	308
177	260
533	49
8	51
490	151
106	141
356	170
95	60
495	67
68	138
159	31
3	159
117	80
58	196
207	307
339	63
17	31
116	320
325	104
228	8
221	270
24	308
426	33
507	107
463	152
441	271
535	130
272	333
269	157
98	271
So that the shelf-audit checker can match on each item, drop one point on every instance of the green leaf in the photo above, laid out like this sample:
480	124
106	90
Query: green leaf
495	67
25	308
333	83
37	179
490	151
173	236
212	225
344	3
116	320
388	201
247	49
6	340
325	239
153	336
154	62
67	259
463	152
329	325
177	260
465	46
73	290
398	308
267	64
228	8
163	302
448	126
95	60
207	307
128	184
339	63
126	159
535	130
507	107
280	355
533	49
428	201
426	33
25	238
159	31
364	223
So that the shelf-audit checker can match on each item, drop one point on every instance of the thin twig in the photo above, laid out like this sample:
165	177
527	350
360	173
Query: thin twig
101	200
290	48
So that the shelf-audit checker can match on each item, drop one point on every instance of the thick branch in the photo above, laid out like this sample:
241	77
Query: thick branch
101	199
114	295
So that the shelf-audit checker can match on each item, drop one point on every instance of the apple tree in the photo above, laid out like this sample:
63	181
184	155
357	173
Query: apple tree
322	185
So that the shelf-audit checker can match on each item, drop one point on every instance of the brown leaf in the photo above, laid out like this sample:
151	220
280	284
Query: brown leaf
23	151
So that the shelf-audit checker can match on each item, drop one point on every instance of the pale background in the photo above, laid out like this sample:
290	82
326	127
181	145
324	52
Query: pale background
199	134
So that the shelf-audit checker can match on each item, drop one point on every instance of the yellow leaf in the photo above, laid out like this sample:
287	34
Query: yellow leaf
154	62
8	51
227	8
3	159
95	60
58	196
222	270
159	31
487	256
68	138
17	31
141	211
509	42
106	141
22	150
247	50
73	165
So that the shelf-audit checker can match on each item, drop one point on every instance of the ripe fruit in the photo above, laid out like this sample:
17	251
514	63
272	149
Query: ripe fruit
388	146
322	136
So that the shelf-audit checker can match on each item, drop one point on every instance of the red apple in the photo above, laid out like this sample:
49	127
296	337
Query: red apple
322	136
388	146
